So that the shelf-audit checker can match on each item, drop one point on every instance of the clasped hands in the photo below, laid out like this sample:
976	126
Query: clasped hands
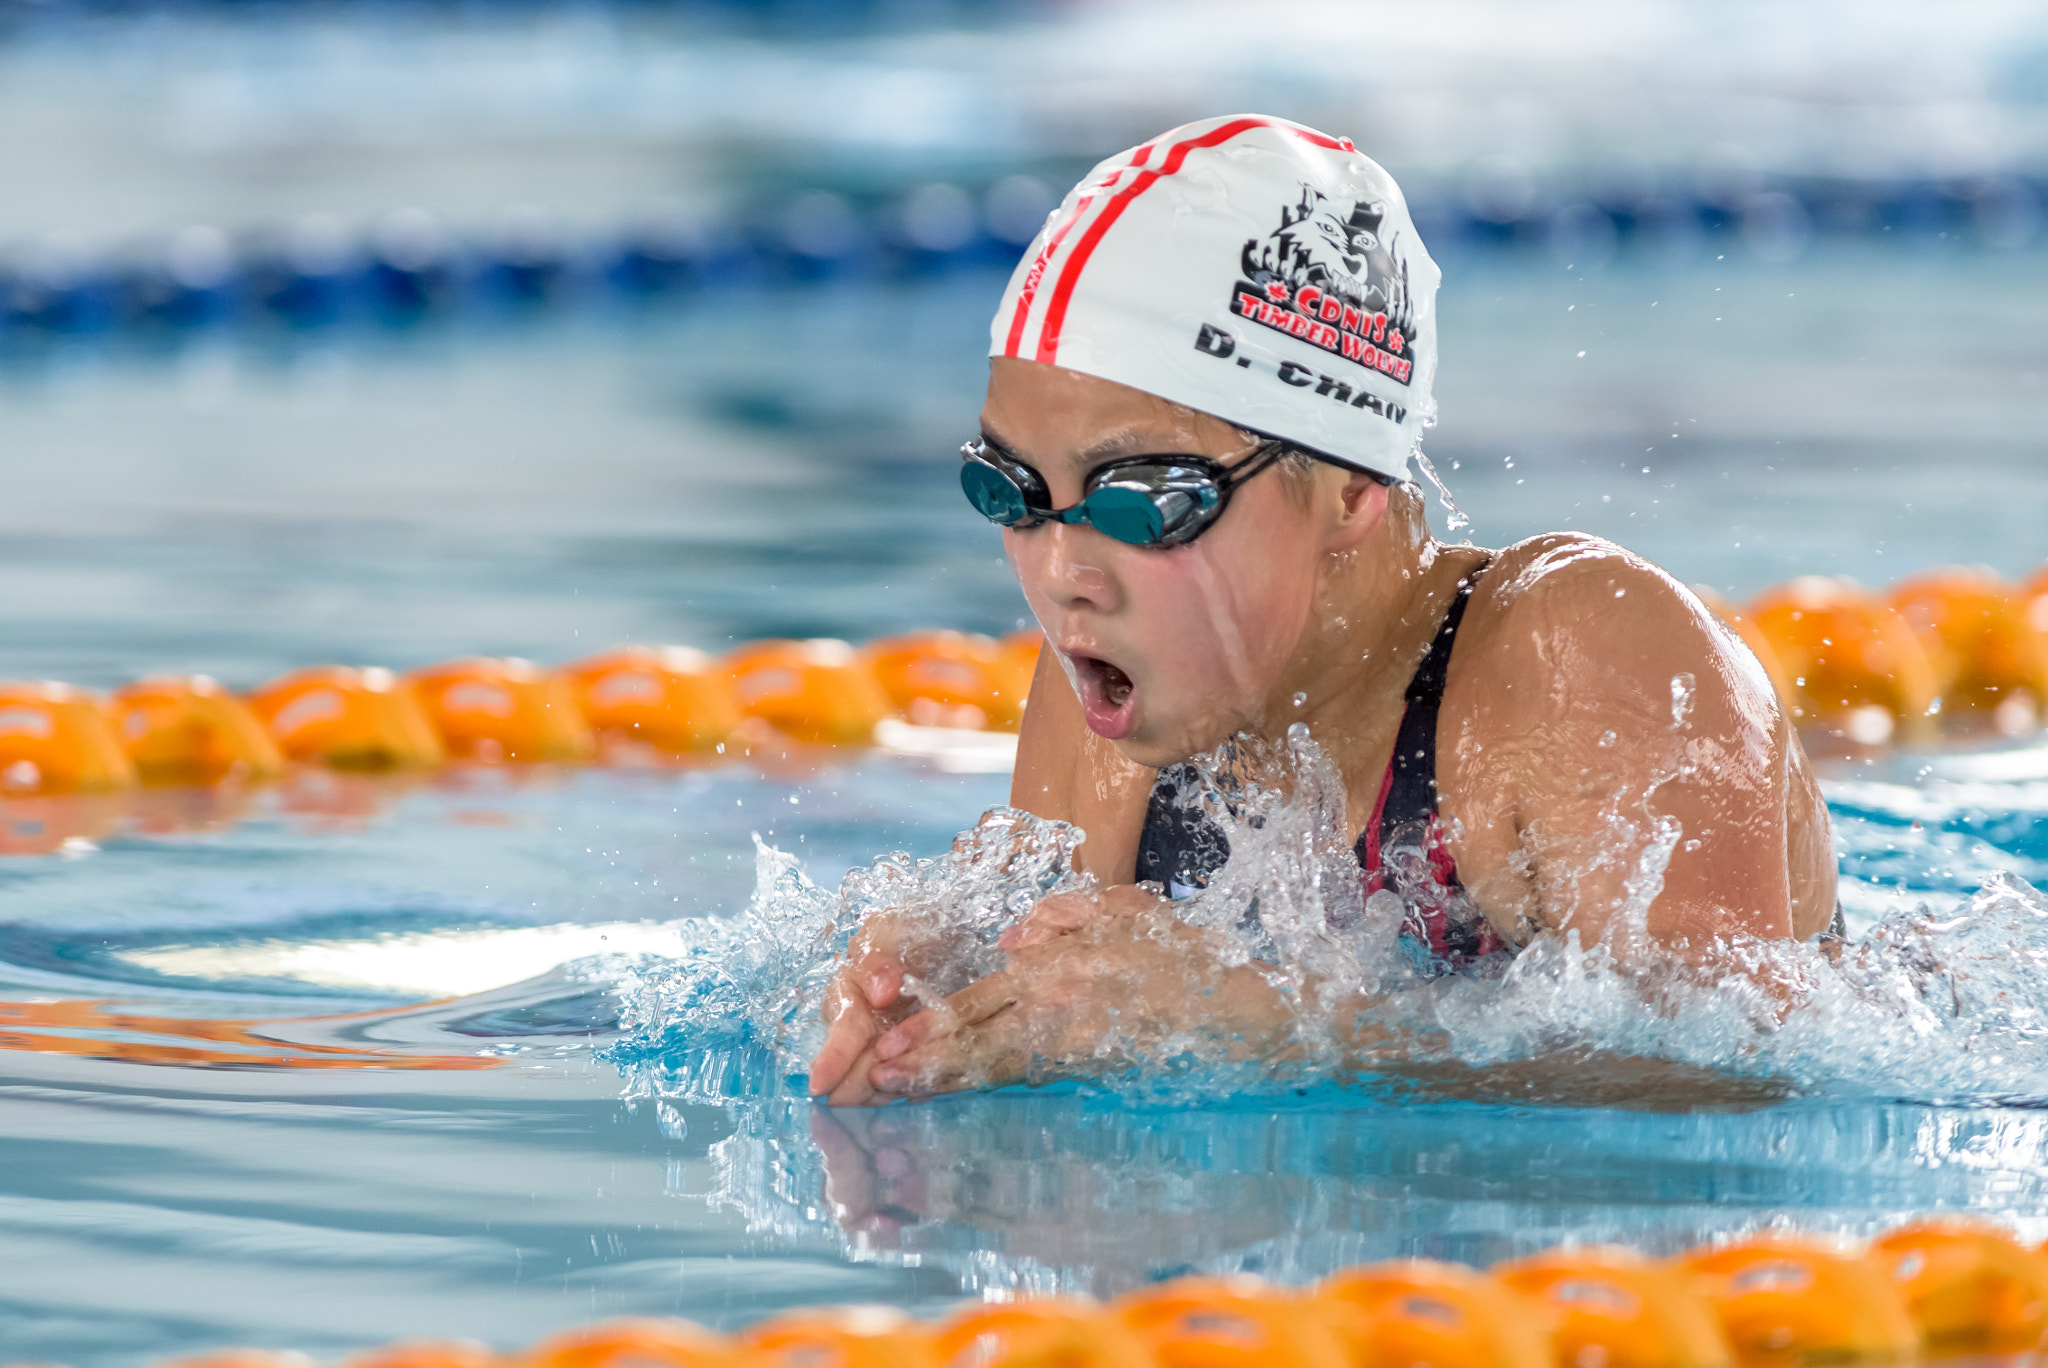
1089	980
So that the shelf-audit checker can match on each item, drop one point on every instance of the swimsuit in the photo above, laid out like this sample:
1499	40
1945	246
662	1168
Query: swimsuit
1180	847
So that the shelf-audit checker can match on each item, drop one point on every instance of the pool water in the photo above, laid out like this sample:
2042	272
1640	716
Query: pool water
341	1061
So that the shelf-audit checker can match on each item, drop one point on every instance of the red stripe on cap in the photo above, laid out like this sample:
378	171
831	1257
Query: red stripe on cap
1029	290
1070	276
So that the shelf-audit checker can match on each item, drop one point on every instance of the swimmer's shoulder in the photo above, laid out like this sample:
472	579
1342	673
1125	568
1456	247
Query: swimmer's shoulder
1589	674
1571	624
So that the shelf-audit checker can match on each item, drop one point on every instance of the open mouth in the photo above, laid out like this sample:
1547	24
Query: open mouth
1106	696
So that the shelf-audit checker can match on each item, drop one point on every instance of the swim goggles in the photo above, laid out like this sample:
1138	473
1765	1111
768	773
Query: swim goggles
1138	500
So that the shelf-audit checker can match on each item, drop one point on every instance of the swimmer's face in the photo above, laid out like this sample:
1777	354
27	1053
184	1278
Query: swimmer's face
1171	650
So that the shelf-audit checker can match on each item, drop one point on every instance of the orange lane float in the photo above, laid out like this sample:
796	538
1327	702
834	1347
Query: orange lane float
1988	655
819	692
1446	1315
186	729
1228	1322
670	699
348	719
493	709
948	679
1786	1301
1846	662
1057	1332
1612	1308
640	1342
845	1337
1783	1301
1970	1287
56	739
1855	664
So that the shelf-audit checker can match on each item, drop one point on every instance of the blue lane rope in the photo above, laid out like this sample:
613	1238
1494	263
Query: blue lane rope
404	269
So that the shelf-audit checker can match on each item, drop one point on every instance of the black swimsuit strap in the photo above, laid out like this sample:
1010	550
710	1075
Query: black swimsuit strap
1411	795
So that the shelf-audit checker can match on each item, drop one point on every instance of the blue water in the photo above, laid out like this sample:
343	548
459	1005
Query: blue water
405	1126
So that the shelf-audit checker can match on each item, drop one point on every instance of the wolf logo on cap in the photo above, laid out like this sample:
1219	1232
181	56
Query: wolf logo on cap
1339	250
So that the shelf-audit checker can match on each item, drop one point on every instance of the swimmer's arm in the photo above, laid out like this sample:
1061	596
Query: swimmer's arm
1640	757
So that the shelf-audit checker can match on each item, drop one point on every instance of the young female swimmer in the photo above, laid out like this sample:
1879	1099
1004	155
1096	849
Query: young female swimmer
1206	380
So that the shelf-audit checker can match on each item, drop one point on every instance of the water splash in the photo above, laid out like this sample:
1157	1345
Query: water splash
1454	516
737	1015
1950	1007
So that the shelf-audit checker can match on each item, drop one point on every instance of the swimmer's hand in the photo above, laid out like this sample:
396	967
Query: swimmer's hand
1091	998
864	999
1063	913
866	996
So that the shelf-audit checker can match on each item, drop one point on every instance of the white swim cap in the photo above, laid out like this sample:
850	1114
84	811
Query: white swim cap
1248	267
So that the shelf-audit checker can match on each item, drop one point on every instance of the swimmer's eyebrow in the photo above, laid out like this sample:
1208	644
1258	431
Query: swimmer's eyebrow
1119	444
999	446
1122	444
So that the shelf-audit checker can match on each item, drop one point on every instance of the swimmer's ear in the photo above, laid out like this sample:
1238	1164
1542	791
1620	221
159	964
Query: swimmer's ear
1361	506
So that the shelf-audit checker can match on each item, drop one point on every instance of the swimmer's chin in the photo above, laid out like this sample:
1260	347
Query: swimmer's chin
1147	746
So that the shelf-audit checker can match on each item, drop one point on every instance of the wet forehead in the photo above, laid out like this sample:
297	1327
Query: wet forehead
1062	421
1138	439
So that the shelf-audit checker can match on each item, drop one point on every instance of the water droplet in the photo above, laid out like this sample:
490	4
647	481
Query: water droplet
1299	699
1454	516
1607	738
1682	689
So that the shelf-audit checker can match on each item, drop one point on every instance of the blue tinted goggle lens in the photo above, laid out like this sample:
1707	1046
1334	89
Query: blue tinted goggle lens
1126	515
994	495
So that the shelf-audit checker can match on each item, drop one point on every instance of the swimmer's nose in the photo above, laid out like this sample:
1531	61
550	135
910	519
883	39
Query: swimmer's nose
1062	562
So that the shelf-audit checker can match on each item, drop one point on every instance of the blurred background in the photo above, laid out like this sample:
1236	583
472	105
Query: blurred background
389	330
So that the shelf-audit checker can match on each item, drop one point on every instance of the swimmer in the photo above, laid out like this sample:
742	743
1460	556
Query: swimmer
1207	379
